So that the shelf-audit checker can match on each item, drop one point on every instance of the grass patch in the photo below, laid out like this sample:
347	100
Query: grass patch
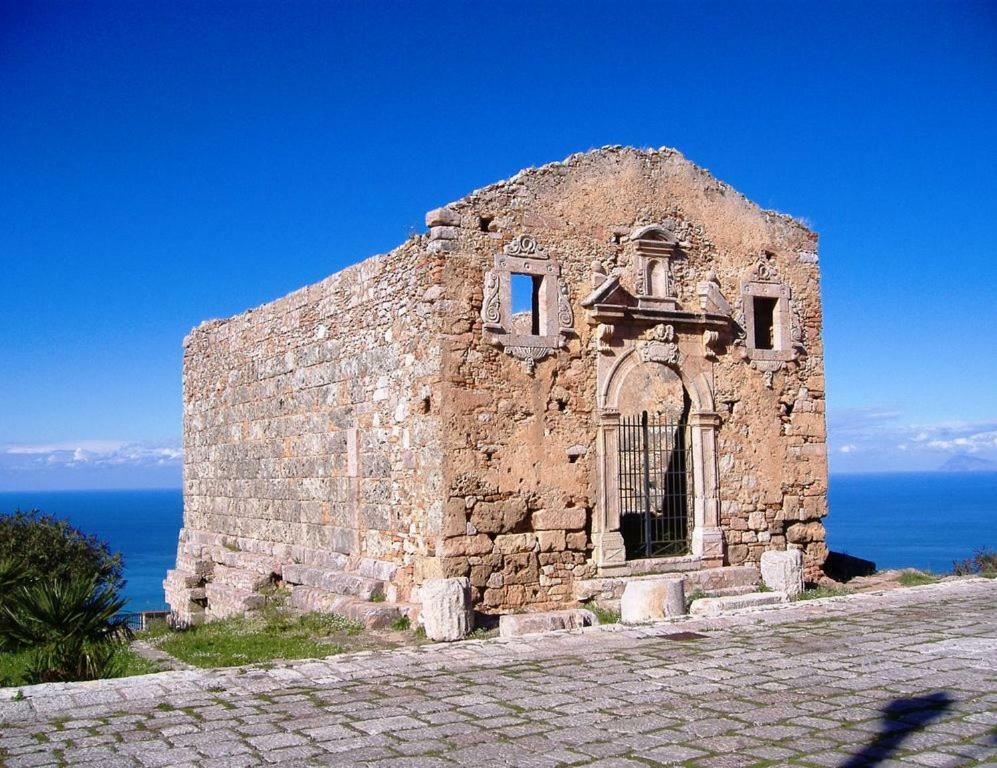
916	578
249	640
379	598
483	633
815	593
125	663
604	615
401	624
273	634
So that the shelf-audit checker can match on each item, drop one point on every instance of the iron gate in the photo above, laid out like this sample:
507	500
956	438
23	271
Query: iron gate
655	486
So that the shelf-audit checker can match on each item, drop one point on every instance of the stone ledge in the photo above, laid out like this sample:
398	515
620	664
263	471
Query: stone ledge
516	624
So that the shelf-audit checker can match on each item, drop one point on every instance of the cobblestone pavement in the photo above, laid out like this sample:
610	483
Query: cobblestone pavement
900	678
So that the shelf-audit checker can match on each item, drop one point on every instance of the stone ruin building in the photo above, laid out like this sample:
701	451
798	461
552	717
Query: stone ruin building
599	369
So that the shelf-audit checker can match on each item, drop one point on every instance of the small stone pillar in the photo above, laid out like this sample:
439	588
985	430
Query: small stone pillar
652	599
783	571
446	608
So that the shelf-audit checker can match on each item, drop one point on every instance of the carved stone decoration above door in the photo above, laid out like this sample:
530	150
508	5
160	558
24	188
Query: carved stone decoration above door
551	317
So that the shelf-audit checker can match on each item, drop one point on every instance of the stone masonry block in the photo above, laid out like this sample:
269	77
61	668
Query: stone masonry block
446	608
652	599
783	571
569	519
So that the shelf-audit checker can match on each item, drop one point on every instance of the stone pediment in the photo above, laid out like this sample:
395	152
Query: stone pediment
611	303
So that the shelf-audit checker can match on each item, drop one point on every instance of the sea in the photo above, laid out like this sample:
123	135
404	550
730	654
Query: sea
921	520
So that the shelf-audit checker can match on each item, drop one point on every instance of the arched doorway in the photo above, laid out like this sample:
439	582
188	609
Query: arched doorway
655	463
680	495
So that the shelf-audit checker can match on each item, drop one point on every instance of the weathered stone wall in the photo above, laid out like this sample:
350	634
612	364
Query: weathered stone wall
313	420
519	467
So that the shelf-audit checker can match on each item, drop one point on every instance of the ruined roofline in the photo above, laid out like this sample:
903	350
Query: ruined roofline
577	158
469	200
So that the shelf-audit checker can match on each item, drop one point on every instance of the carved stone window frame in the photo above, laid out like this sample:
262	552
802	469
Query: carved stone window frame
524	256
763	282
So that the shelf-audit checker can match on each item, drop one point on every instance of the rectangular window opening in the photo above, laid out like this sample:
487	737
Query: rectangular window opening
526	303
764	310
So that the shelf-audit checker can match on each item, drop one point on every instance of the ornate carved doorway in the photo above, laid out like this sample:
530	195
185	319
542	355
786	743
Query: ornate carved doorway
655	486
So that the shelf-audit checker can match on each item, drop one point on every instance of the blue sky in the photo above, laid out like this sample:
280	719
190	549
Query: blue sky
161	164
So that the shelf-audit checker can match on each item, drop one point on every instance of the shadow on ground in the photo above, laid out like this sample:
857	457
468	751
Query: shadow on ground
900	719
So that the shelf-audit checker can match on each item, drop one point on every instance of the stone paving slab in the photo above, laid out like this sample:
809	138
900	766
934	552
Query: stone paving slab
901	678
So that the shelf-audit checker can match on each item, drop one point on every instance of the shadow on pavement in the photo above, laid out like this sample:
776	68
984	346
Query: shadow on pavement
901	718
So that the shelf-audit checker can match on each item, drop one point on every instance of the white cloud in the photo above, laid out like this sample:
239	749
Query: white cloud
884	440
92	453
97	446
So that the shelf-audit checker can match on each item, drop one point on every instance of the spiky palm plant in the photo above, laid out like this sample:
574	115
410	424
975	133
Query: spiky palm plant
70	627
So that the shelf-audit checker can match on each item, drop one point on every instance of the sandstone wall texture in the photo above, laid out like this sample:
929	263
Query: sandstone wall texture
311	424
372	415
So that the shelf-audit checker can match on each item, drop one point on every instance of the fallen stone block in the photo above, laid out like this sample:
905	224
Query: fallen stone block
716	606
514	624
783	571
446	608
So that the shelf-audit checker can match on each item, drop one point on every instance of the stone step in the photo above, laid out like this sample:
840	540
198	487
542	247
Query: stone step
251	581
716	606
227	600
247	561
339	582
177	579
726	580
371	615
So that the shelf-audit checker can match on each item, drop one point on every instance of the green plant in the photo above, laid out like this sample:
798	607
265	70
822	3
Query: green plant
67	629
815	593
401	624
36	546
916	578
378	598
275	634
604	615
763	587
983	562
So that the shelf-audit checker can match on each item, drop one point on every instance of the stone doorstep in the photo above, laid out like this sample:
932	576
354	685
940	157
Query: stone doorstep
723	581
339	582
715	606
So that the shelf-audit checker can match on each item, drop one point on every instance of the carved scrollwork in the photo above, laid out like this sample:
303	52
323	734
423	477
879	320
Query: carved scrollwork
603	336
525	245
491	307
565	315
796	326
711	343
529	356
765	270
